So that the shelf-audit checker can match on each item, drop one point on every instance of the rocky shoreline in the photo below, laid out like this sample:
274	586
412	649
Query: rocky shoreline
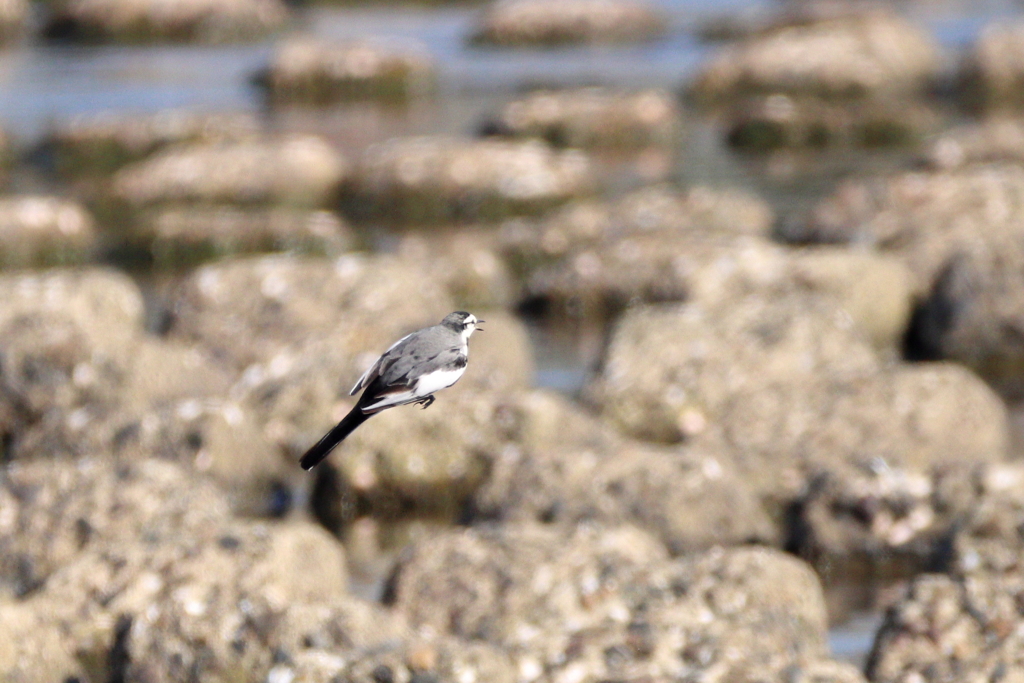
792	415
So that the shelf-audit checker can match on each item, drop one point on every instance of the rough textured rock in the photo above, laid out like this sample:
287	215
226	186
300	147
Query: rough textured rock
994	71
795	386
592	117
208	21
435	179
68	337
535	22
44	231
602	604
102	143
294	170
51	512
309	70
951	629
779	121
213	606
31	650
960	234
565	467
875	55
185	236
248	310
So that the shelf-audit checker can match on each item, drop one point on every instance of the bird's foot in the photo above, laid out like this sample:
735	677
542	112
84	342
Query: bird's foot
425	401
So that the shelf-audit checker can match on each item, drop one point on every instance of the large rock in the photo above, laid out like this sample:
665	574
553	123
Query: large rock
949	629
54	511
249	310
566	467
67	337
605	604
308	70
208	21
592	117
101	143
786	384
44	231
436	179
874	55
535	22
994	70
293	170
960	233
214	605
184	236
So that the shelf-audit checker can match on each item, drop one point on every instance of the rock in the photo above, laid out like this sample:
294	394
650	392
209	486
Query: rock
13	19
688	499
295	171
308	70
141	21
7	155
960	234
54	511
779	121
184	236
137	608
992	72
67	337
273	303
102	143
434	179
876	290
163	372
996	139
629	249
950	629
605	603
796	387
469	263
32	651
53	384
218	437
534	22
705	245
106	304
592	117
44	231
877	55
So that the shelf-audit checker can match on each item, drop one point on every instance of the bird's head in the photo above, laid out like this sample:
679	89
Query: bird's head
463	323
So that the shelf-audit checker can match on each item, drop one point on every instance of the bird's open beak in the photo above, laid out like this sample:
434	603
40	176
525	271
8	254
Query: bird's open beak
477	327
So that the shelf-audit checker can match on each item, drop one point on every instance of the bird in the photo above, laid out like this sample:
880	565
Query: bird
410	371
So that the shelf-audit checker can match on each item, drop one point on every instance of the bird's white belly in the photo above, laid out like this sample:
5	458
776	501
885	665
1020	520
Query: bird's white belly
435	381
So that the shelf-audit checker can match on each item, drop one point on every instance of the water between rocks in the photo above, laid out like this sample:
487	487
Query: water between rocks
43	83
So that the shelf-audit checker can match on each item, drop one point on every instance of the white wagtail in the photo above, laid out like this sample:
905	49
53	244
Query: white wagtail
415	366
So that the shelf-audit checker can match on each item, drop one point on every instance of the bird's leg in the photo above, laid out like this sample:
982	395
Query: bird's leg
425	401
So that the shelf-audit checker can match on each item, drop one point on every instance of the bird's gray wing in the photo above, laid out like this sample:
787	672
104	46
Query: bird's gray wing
386	358
433	349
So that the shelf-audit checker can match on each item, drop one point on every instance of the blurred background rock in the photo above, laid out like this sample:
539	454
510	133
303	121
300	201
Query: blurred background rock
750	401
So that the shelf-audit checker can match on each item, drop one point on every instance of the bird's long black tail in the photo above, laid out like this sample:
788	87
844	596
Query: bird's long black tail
324	446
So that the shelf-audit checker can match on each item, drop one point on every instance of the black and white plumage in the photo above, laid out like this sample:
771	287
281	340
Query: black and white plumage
415	367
